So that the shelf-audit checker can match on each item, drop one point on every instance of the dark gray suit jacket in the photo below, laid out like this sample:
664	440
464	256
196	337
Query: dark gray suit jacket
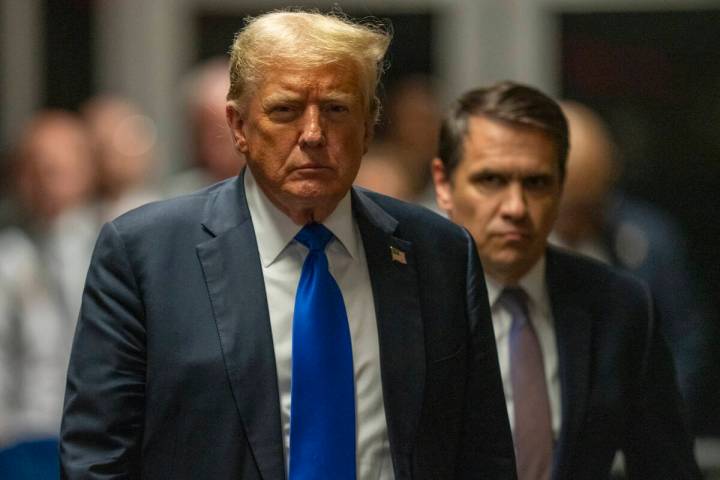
616	374
172	373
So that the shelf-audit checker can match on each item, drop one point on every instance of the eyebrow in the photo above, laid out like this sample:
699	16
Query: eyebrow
504	173
290	96
489	171
338	97
281	96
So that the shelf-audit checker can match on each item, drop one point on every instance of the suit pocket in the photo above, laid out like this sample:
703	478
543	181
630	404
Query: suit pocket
446	377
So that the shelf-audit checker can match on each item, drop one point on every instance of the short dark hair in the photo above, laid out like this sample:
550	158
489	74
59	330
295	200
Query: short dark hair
508	102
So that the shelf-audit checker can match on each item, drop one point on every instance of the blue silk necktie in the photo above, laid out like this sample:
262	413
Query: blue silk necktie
322	408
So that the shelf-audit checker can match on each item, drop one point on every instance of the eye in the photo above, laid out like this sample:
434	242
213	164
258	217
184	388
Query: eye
538	182
336	108
490	180
282	112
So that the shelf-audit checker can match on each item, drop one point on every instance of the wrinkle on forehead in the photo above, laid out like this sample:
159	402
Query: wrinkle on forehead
336	81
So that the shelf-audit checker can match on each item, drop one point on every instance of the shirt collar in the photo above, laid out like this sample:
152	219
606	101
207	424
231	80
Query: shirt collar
274	230
533	283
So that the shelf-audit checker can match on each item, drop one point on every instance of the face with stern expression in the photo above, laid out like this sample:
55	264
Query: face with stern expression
303	133
505	190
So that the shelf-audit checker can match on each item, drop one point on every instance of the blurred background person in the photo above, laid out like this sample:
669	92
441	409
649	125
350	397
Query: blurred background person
214	158
380	172
7	208
596	218
409	139
123	140
43	260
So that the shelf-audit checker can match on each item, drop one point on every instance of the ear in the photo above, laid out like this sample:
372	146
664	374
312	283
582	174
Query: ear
443	186
236	123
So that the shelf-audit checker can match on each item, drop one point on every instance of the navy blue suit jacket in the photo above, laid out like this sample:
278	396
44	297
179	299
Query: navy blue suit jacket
617	380
172	373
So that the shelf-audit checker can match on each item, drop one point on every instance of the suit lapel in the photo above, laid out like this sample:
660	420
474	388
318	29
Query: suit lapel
234	278
573	331
400	329
233	274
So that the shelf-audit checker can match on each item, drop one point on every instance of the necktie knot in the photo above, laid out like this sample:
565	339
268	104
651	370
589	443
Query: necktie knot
314	236
515	300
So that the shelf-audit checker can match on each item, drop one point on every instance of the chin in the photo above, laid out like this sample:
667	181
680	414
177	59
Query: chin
509	260
313	192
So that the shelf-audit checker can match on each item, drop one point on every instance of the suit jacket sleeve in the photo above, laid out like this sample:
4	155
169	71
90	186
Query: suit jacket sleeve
102	424
487	450
659	445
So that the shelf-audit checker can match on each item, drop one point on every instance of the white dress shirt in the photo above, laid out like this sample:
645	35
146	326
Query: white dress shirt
282	258
542	320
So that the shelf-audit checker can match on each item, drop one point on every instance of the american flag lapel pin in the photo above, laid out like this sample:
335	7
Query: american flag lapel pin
398	255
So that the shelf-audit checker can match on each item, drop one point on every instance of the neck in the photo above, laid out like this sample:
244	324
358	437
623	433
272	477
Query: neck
301	216
507	278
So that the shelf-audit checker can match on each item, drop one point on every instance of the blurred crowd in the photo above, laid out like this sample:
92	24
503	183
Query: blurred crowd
69	172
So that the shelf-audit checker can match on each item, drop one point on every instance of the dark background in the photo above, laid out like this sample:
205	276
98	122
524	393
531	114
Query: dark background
655	77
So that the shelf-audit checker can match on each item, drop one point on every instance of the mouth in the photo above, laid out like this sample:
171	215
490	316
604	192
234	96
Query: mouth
514	236
311	170
311	166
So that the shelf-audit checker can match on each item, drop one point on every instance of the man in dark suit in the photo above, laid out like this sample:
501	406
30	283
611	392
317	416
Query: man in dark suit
585	371
597	218
190	329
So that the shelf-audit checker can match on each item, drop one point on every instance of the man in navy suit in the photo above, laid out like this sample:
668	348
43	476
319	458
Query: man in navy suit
183	356
585	371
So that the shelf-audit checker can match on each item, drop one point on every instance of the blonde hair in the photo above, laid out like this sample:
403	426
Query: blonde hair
307	40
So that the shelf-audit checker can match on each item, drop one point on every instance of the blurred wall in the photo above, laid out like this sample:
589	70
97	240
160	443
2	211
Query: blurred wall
140	48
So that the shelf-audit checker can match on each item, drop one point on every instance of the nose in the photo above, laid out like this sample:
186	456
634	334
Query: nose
312	134
514	205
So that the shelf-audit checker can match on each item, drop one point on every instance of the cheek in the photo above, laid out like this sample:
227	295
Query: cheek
481	224
272	150
280	142
348	140
471	212
266	164
347	151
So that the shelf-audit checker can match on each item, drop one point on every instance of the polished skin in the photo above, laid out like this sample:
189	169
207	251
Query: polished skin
303	133
506	190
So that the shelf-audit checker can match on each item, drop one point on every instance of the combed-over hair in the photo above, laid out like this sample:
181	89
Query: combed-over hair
307	40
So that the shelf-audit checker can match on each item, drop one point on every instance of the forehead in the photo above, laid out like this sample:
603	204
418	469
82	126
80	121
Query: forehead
337	78
48	134
501	145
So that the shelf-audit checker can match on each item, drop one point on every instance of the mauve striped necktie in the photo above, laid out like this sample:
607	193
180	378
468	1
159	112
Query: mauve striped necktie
533	427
